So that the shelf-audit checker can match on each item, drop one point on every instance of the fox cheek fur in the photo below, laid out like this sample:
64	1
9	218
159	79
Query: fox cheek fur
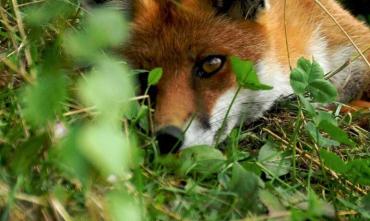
179	35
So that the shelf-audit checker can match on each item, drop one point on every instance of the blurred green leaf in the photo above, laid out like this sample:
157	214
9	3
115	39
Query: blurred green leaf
45	12
365	202
307	105
325	116
106	27
103	28
318	138
365	213
202	159
245	185
27	155
44	100
123	207
358	171
246	75
275	207
69	158
107	88
106	147
273	160
318	207
332	161
335	132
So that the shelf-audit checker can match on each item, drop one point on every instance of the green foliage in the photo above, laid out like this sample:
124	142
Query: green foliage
319	122
335	132
274	161
202	159
245	185
123	207
154	76
44	99
107	88
87	44
246	74
333	161
309	77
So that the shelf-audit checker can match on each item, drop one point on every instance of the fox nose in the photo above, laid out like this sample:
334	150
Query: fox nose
170	139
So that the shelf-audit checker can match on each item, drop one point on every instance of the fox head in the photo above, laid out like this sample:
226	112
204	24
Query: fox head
192	41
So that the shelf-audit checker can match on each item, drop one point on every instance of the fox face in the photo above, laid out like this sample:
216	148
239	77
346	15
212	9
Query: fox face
192	41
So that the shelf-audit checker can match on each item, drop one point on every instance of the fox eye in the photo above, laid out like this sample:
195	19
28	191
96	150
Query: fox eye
209	66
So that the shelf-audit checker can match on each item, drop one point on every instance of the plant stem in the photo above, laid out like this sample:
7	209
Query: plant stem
219	132
293	142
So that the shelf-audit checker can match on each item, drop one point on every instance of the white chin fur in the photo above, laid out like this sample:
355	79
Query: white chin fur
198	135
248	106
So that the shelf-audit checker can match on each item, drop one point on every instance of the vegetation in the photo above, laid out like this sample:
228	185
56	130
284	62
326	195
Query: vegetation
76	144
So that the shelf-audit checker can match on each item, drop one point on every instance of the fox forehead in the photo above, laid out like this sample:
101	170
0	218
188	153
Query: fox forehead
175	33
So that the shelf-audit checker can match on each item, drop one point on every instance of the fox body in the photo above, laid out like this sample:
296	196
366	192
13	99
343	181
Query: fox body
193	39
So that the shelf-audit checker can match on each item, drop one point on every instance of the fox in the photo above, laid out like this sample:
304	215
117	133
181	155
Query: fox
193	40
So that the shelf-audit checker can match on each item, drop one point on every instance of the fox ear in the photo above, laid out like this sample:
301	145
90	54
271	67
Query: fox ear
240	9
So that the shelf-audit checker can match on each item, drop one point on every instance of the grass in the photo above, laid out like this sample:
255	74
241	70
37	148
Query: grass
63	155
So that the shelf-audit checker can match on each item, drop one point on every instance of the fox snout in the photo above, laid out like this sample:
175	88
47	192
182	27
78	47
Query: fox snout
170	139
174	106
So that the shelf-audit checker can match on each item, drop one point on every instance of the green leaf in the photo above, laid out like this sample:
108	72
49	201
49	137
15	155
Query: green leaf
365	202
107	88
309	77
112	33
202	159
318	138
154	76
318	207
364	212
307	105
273	204
323	91
312	70
274	160
44	100
325	116
359	171
304	74
299	81
246	75
332	161
69	157
27	155
87	45
44	14
244	184
106	147
123	207
304	65
335	132
316	72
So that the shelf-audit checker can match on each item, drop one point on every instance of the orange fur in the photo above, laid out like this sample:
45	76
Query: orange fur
175	34
173	39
